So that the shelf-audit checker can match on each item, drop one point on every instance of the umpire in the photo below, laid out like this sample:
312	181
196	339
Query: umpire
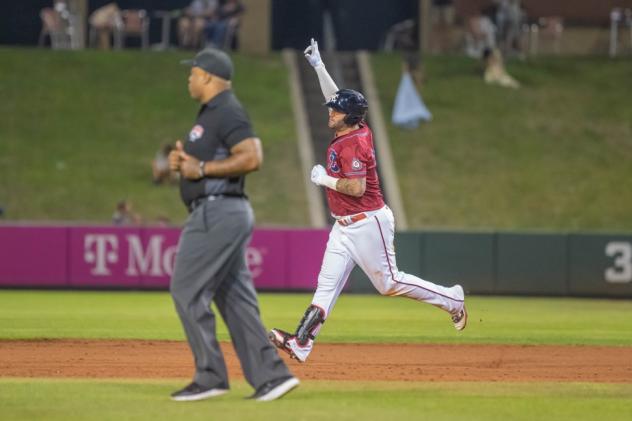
219	151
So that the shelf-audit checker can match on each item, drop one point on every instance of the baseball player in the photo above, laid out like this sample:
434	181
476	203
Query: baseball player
365	226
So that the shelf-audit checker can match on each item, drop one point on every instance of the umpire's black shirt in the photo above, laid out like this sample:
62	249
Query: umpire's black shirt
221	124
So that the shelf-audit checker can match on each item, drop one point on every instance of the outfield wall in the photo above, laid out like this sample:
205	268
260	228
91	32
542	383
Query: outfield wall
513	263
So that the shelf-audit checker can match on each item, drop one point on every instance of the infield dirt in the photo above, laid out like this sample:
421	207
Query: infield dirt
389	362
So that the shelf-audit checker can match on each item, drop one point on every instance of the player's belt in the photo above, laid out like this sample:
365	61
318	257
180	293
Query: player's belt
200	200
352	219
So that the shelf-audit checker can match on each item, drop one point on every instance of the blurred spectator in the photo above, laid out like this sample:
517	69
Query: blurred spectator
163	221
412	65
160	166
220	31
480	35
193	20
56	25
124	215
442	16
102	24
1	211
495	73
509	20
401	36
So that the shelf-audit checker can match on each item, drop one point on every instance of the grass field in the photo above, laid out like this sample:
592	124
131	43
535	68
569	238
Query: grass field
43	314
79	129
29	399
142	315
77	135
553	154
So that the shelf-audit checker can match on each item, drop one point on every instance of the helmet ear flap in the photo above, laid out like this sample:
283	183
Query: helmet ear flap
352	120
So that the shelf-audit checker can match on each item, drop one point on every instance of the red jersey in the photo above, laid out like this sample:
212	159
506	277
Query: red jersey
352	156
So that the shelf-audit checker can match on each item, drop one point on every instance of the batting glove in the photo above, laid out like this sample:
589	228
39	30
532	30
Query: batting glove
320	178
312	55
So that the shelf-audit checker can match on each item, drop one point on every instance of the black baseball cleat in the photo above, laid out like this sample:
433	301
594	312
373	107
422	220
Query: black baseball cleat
274	389
196	392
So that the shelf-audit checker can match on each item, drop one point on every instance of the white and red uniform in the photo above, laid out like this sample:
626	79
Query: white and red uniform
353	156
362	235
364	232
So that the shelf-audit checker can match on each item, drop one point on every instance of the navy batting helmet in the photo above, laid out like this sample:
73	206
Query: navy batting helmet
350	102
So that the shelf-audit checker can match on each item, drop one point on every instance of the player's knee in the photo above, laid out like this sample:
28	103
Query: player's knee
385	284
390	290
381	288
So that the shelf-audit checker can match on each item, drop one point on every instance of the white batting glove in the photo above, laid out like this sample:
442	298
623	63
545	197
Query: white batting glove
312	55
318	172
320	178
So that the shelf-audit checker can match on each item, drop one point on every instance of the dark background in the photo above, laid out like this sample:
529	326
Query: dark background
20	22
358	23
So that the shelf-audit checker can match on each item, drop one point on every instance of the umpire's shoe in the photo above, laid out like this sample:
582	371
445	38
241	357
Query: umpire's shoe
197	392
275	389
288	343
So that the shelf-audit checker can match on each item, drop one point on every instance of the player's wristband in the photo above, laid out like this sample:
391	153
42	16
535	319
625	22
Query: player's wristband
329	181
202	163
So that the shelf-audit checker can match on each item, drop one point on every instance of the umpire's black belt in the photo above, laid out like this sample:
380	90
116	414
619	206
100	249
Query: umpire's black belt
201	200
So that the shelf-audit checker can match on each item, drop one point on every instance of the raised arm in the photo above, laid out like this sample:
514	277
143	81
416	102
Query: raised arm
327	84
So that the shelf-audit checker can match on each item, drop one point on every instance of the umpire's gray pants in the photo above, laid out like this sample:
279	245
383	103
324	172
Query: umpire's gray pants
211	266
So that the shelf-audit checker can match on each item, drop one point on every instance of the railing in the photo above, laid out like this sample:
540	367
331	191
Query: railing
619	17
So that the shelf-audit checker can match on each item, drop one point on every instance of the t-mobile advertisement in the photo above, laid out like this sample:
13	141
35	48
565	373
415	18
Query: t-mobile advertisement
144	258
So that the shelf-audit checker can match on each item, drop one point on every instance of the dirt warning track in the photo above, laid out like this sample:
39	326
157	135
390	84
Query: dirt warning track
389	362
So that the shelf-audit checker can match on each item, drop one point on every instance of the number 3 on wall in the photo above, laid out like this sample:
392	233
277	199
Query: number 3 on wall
621	271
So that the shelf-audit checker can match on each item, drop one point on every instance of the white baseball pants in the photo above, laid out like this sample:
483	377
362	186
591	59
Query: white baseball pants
369	244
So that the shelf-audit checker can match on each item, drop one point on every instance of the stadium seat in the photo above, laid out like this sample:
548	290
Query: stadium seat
55	27
133	23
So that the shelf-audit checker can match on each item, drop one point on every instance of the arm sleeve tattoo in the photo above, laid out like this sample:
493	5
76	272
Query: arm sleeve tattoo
351	186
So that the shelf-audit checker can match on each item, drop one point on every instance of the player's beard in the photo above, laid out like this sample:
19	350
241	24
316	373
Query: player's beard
336	125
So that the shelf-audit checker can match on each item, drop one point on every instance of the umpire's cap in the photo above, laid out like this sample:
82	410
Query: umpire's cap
213	61
351	103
